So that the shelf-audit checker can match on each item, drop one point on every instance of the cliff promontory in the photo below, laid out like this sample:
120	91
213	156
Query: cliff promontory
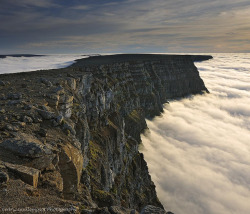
69	137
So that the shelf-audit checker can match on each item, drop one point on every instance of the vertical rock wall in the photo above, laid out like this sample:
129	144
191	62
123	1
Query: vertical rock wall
90	117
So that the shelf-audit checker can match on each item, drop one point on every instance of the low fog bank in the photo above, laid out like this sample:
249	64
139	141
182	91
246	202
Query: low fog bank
198	151
24	64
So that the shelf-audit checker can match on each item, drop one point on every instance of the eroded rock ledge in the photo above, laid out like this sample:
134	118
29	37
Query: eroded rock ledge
75	132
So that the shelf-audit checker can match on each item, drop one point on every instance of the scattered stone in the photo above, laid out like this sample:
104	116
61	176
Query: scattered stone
59	119
31	191
4	177
46	82
59	90
2	111
149	209
53	100
36	118
14	102
5	134
14	96
5	118
121	210
2	97
42	132
85	211
27	174
23	85
134	212
2	83
2	167
47	115
71	83
68	128
27	107
19	124
85	179
70	75
27	119
9	127
103	210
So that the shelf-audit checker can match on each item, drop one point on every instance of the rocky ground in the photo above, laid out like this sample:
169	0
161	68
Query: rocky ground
69	137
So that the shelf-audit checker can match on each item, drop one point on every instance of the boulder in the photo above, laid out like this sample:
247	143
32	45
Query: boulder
47	115
70	164
26	174
46	82
42	162
4	177
53	100
25	145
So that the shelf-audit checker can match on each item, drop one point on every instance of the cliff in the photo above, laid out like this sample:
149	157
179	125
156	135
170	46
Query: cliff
69	137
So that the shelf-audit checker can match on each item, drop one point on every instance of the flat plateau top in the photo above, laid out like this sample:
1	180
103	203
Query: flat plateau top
101	60
109	59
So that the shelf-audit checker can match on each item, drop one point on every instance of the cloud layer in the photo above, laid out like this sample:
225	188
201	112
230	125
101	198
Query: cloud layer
24	64
63	26
198	152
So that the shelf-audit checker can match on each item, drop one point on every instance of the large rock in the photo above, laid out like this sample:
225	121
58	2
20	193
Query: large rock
70	164
46	82
46	114
27	174
4	177
25	145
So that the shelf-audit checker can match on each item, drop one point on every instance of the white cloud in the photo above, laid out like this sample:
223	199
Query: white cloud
198	151
24	64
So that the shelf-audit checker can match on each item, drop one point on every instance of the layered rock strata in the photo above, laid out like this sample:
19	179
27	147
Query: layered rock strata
78	129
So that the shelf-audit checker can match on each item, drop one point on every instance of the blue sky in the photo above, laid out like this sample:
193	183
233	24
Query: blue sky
100	26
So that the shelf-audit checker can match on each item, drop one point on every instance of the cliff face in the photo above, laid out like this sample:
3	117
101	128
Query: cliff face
79	128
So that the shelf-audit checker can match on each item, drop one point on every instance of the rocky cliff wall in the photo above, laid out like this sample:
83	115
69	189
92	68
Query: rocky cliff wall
79	128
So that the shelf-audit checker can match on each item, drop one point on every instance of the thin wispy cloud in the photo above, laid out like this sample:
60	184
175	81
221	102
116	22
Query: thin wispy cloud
217	26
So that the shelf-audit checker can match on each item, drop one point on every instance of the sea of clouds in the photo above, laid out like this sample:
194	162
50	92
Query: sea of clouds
24	64
198	151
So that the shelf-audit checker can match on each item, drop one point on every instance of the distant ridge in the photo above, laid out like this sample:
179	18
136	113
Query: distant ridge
19	55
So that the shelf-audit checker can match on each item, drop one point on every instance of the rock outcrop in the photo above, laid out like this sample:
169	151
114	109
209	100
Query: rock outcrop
80	127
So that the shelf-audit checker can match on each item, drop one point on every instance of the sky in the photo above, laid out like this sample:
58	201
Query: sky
124	26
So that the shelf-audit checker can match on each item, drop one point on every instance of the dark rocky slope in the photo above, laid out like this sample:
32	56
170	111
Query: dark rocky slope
75	132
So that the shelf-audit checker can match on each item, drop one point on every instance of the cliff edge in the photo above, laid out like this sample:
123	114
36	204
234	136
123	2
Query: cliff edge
69	137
